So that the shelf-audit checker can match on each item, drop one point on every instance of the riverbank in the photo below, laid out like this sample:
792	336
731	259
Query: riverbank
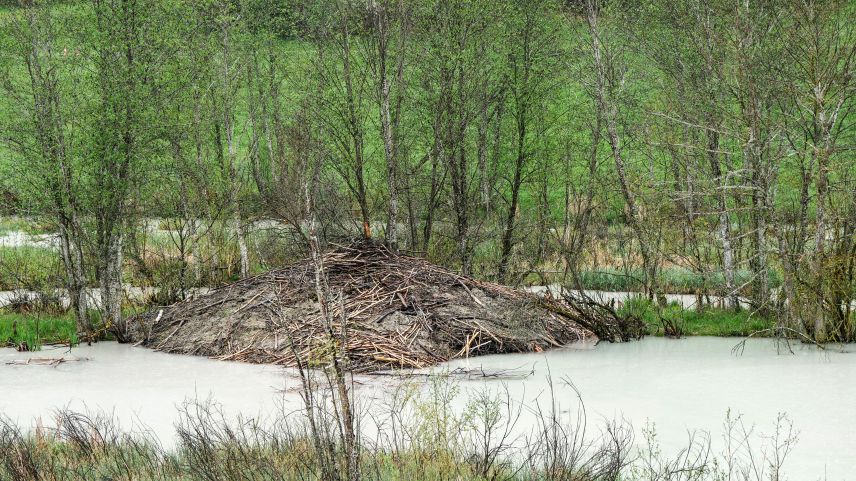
675	320
33	330
90	448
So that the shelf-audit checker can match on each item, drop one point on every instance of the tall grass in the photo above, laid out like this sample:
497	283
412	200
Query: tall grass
708	321
35	330
416	435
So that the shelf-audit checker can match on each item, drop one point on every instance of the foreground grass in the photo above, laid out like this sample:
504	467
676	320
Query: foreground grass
36	330
422	438
706	322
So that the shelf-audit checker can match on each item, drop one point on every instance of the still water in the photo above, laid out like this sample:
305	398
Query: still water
679	386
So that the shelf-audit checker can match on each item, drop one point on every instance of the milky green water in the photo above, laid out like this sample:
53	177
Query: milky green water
689	385
680	386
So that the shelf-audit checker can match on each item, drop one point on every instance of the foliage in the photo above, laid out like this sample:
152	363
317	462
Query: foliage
708	321
685	145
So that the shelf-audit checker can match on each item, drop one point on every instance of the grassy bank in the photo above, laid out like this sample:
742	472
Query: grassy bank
27	225
29	267
691	322
35	330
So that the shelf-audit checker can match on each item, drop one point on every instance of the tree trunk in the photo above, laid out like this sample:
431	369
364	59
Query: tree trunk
724	228
243	250
232	173
753	153
355	132
481	146
428	226
609	110
72	257
516	183
111	285
339	356
761	282
391	163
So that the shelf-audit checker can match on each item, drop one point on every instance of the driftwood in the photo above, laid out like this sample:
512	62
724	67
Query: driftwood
44	361
400	312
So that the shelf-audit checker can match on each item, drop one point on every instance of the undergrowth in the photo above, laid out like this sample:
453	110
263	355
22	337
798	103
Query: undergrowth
672	280
35	330
419	436
708	321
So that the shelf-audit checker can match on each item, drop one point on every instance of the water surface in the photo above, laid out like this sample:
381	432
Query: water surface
680	386
690	385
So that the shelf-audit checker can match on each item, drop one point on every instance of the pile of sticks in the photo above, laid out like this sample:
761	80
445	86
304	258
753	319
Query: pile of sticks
385	310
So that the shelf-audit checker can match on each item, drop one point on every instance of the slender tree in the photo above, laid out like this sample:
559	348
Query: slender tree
47	139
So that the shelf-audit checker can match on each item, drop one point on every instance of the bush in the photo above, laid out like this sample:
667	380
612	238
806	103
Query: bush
706	322
31	268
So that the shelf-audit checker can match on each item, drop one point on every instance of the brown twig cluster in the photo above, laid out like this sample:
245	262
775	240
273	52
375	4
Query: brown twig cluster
401	312
602	318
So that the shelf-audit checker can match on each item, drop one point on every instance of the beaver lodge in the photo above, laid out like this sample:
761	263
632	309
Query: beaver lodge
398	311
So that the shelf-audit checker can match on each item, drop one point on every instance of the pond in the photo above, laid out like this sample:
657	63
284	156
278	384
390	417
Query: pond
678	385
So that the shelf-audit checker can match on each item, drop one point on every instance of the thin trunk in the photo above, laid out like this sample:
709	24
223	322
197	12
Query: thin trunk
822	154
481	147
428	226
724	227
241	233
110	281
606	105
381	16
461	181
72	257
229	129
338	359
753	153
516	183
355	131
391	161
713	155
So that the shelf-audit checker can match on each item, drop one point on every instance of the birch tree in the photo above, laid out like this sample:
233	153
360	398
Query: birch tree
609	85
821	54
127	59
386	54
47	106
